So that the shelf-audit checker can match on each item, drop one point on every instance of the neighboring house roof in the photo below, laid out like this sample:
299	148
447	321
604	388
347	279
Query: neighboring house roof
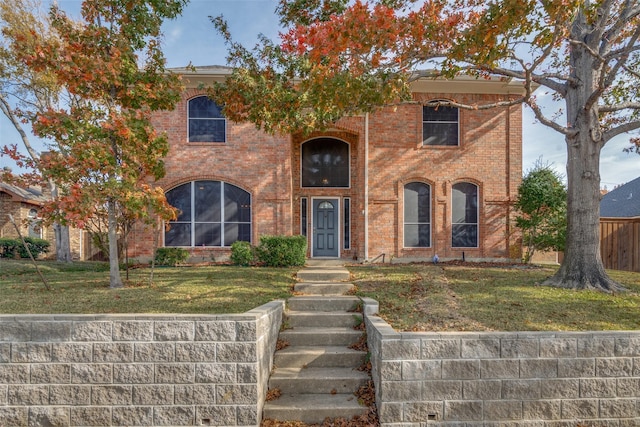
26	195
623	202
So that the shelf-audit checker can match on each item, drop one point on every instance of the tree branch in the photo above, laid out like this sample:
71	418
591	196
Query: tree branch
624	128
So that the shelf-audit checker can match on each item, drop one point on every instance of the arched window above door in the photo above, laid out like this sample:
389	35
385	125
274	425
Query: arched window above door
325	163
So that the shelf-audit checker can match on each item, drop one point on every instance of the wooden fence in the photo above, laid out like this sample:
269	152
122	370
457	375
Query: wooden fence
620	243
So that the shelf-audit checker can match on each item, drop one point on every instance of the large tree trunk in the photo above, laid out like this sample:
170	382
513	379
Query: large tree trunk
582	266
115	281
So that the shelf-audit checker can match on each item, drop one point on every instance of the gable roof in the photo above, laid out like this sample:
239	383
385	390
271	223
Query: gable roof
26	195
623	202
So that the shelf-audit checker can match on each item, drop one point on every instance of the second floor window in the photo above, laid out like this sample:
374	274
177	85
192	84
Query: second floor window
440	126
206	122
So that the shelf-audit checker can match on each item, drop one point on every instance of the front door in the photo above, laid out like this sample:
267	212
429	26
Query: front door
325	228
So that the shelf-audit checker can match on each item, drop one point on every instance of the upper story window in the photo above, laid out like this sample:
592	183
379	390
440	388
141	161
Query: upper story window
417	215
325	163
464	215
206	122
440	126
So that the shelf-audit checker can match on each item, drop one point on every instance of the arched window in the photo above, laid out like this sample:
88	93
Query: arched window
417	215
440	125
212	213
464	212
206	122
325	163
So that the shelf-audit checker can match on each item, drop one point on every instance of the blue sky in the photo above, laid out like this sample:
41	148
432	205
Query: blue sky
192	38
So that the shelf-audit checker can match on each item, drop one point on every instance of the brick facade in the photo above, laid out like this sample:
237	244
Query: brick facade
386	152
19	203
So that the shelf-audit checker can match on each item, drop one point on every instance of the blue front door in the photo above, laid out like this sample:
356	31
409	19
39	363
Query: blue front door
325	228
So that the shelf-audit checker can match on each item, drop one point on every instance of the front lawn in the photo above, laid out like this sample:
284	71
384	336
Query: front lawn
468	297
83	287
412	297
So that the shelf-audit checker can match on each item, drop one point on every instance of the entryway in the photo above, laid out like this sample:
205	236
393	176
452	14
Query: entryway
326	228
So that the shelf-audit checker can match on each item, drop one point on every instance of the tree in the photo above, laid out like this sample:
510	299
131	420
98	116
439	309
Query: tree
337	57
23	93
109	153
542	201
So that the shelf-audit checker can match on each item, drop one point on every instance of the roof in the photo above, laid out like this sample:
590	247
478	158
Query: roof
623	202
26	195
424	81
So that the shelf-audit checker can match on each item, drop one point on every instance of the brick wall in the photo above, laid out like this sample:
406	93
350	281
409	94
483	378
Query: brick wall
509	379
268	167
136	370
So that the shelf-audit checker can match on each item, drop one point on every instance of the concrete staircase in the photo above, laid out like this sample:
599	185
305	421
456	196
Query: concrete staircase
317	373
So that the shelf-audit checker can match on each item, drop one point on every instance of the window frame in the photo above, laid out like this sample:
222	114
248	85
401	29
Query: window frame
346	219
189	119
302	164
418	223
192	221
441	122
304	215
468	224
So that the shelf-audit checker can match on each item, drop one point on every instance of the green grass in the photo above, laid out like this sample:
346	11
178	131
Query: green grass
412	297
423	297
84	288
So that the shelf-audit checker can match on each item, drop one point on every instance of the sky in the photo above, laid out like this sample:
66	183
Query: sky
191	38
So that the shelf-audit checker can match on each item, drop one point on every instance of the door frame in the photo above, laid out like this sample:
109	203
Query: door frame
338	224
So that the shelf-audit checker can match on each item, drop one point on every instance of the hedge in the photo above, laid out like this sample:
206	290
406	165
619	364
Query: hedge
13	248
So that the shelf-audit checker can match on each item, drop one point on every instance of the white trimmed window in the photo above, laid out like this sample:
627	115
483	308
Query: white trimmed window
211	213
206	122
440	125
464	211
417	215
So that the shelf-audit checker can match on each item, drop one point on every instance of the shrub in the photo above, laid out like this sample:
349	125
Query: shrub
241	253
282	251
13	248
171	256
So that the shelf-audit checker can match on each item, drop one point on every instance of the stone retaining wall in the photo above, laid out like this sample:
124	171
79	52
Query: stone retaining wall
545	379
136	370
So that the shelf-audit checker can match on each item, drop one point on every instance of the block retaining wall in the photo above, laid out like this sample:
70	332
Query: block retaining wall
136	370
537	379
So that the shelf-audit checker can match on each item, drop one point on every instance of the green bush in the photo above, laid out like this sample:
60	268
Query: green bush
241	253
13	248
171	256
282	251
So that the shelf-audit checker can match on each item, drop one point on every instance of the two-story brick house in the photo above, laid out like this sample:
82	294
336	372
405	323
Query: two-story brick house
406	181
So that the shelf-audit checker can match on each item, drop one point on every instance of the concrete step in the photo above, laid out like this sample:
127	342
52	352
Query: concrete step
318	303
323	288
313	408
318	357
324	263
336	274
317	380
320	336
324	319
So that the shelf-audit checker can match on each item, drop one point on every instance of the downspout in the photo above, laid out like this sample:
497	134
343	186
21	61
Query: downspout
366	187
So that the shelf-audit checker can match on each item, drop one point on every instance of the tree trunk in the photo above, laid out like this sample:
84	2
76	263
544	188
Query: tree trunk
63	246
582	266
115	281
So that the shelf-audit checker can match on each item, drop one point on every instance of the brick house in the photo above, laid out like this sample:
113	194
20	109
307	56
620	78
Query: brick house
24	205
406	181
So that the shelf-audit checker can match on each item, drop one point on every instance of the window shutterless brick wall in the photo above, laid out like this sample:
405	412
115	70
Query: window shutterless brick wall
507	379
136	370
268	166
